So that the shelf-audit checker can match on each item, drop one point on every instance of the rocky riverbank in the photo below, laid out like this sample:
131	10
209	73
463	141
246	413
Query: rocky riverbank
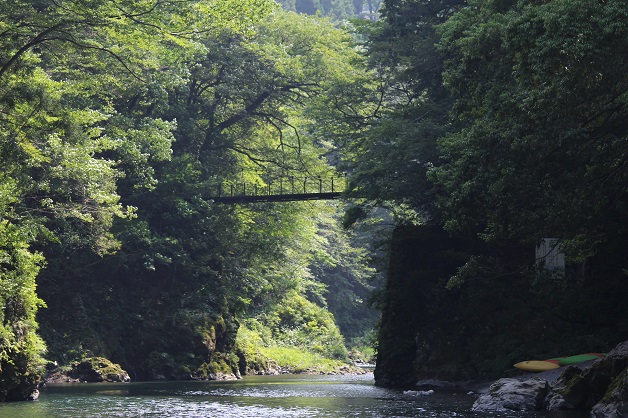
93	369
599	386
98	369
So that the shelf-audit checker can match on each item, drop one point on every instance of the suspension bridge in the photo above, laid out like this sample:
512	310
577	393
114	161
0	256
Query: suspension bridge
282	189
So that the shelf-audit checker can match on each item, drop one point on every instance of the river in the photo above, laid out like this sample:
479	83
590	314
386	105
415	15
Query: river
254	396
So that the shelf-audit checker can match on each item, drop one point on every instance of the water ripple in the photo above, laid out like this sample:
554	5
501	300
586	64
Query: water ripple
268	397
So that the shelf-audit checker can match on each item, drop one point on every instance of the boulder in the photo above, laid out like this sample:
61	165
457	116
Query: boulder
600	387
98	369
615	401
25	391
515	395
33	396
555	400
601	383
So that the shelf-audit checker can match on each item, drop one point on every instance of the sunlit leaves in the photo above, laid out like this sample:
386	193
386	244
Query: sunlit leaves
117	116
20	346
248	94
240	17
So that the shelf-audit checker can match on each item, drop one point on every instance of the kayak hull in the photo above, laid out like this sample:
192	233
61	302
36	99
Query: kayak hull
566	361
536	365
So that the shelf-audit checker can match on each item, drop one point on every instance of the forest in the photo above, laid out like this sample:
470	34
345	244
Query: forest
468	132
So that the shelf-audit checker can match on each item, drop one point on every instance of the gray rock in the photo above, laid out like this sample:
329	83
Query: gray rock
98	369
594	384
555	399
615	402
33	396
609	410
599	386
512	394
222	376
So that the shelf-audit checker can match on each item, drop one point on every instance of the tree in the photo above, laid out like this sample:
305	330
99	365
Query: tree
188	268
508	131
343	268
389	143
21	365
59	130
542	88
336	10
51	175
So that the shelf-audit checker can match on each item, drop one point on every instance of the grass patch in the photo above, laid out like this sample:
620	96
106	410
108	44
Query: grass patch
255	341
298	360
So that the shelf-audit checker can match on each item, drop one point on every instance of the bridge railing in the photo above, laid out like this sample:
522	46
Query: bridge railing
285	186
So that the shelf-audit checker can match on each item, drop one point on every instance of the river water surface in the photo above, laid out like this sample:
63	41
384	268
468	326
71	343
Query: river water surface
253	396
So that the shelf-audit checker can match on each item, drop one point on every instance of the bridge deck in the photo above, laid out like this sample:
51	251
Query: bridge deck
281	189
277	198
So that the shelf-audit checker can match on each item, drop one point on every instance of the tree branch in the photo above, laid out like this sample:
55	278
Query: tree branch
39	38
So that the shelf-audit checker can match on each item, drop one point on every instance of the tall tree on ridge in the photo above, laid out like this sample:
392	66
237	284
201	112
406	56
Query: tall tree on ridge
543	89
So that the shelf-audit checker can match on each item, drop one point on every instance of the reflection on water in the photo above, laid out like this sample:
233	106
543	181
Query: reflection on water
255	396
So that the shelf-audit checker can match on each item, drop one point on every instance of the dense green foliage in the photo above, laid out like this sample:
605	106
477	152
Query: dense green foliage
260	354
501	122
336	10
20	346
119	120
295	323
544	152
53	180
492	124
389	139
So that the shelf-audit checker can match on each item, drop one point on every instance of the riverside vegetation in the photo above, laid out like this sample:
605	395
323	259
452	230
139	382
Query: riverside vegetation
470	131
118	120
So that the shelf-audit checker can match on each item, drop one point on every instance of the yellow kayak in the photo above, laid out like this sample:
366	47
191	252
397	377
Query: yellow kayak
536	365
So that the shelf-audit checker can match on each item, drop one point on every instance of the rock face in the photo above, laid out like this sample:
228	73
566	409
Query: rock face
512	394
555	400
412	345
27	391
601	387
98	369
615	402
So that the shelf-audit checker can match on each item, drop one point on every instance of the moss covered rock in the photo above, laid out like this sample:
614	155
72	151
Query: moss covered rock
98	369
602	387
615	402
220	367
